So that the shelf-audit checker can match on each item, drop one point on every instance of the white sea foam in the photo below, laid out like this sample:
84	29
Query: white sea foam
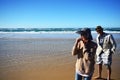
44	32
51	32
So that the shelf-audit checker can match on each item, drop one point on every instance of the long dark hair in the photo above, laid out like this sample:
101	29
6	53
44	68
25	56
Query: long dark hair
87	32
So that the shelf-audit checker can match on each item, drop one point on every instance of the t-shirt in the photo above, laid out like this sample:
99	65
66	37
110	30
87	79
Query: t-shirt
101	40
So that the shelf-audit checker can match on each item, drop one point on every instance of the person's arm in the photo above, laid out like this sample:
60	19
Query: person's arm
76	46
112	41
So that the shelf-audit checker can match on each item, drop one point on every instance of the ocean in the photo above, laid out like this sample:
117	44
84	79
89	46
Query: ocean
49	32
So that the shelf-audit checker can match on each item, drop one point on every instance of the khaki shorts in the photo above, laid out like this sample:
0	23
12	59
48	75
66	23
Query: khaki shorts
104	59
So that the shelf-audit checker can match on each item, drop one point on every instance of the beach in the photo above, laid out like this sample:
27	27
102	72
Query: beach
44	59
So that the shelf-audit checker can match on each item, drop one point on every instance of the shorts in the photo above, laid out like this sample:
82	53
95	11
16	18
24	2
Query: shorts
79	77
104	59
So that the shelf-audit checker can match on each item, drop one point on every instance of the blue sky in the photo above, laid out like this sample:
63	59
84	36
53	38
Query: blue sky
59	13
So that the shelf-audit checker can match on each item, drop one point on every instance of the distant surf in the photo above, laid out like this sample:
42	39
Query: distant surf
52	30
49	32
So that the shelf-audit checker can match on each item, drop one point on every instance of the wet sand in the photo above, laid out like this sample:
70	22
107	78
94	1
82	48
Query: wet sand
43	59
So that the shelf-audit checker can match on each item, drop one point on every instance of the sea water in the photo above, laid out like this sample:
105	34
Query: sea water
50	32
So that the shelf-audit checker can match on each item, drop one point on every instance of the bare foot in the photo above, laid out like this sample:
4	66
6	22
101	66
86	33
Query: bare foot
108	79
98	77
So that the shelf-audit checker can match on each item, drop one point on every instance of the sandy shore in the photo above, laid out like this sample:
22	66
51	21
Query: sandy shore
43	59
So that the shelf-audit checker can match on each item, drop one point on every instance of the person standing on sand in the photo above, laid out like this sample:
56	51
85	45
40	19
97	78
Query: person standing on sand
106	47
85	50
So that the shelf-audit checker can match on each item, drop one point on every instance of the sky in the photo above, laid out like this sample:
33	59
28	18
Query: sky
59	13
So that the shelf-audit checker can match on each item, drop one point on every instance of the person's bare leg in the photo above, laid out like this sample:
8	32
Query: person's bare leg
99	71
109	73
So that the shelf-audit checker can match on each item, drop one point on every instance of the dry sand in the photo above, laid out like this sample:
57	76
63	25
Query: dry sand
43	59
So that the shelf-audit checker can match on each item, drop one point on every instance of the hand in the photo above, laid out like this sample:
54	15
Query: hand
78	40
